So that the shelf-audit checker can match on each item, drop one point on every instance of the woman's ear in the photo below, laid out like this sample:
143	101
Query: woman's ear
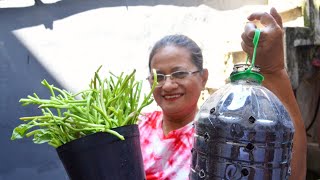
204	76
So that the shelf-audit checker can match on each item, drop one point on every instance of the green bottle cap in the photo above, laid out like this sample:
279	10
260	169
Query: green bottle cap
246	74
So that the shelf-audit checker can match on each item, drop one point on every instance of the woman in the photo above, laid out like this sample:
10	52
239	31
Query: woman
167	135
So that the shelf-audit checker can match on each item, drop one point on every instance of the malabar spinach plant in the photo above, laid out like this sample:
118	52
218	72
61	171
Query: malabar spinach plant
108	103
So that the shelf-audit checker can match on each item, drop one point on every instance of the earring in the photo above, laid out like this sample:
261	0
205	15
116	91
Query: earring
202	94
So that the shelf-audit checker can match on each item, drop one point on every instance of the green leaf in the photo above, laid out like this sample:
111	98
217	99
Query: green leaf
19	131
42	136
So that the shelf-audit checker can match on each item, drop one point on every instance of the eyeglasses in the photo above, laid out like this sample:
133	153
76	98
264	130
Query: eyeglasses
175	76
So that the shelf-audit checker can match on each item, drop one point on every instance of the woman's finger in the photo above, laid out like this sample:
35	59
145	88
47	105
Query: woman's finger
265	19
247	40
276	16
249	30
246	48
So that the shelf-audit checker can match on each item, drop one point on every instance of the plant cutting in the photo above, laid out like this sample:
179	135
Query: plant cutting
84	126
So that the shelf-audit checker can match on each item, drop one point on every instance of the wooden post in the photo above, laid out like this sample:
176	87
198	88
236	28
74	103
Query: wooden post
312	18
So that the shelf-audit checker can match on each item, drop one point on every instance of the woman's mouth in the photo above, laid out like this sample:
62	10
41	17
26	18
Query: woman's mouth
172	97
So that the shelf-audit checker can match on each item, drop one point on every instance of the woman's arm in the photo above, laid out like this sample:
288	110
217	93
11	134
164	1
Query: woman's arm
279	84
270	58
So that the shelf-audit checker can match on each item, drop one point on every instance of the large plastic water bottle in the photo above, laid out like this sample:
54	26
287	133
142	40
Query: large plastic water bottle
242	131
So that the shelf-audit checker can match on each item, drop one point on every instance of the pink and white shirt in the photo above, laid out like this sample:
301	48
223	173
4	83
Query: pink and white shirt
165	157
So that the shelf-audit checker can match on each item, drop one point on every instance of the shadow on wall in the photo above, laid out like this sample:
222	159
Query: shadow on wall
20	75
89	5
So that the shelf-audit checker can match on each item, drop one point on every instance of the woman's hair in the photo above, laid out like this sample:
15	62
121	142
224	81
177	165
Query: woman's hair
179	41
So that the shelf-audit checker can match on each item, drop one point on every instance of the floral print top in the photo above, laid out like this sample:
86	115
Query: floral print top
165	157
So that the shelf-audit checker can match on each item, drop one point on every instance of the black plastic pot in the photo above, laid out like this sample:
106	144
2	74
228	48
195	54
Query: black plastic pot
103	156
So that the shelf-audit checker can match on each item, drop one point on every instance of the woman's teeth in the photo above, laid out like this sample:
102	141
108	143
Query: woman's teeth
172	96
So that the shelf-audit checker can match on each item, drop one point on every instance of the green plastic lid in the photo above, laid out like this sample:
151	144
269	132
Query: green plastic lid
249	72
247	75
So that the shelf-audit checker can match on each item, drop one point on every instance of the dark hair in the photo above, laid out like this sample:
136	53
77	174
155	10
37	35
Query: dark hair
179	41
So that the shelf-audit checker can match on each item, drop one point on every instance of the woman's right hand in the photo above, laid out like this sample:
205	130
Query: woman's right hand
270	54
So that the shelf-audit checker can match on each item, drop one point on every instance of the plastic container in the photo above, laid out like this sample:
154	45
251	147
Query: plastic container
103	156
242	131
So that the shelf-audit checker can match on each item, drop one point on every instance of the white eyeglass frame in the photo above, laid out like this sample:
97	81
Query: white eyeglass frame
161	83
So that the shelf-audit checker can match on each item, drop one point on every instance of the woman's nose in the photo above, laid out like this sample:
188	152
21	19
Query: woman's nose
169	84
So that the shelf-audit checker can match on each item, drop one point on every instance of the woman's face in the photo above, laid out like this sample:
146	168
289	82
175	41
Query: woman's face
177	97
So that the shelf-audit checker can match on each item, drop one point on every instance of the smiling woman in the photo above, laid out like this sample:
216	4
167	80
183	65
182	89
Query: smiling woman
178	97
166	136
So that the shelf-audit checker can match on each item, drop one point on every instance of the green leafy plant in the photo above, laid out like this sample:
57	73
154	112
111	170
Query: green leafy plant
107	104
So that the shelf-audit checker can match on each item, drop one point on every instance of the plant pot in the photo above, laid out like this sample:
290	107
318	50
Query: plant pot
103	156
